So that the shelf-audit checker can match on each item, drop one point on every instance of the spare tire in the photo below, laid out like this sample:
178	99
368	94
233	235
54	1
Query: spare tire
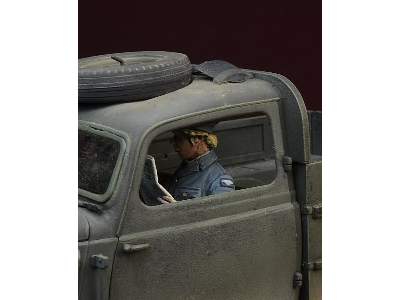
131	76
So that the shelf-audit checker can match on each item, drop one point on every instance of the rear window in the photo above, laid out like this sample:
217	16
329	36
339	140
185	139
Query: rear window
98	157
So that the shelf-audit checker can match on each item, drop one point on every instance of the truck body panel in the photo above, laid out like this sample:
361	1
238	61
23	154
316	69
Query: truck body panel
245	245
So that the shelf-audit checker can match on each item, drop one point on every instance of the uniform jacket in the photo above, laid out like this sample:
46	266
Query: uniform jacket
200	177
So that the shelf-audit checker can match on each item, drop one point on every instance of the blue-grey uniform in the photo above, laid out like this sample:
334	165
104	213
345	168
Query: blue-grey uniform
200	177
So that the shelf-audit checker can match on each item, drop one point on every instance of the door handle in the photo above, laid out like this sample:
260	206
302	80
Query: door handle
129	248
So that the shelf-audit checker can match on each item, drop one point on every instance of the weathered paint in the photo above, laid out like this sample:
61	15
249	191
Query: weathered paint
243	246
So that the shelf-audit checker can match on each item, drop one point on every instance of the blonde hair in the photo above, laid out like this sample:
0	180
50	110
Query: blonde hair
209	138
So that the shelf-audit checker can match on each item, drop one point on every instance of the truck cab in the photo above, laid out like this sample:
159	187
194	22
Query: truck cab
261	241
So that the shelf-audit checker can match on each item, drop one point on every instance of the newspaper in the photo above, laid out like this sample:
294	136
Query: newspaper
150	187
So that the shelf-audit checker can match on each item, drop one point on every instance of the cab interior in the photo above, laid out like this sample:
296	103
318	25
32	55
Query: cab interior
245	149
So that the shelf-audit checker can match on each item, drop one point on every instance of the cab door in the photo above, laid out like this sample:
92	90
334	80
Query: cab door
244	244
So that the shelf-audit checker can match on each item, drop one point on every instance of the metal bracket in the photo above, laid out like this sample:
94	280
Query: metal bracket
222	72
297	280
313	266
287	163
99	261
315	211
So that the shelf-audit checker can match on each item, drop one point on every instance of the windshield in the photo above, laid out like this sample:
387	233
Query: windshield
98	157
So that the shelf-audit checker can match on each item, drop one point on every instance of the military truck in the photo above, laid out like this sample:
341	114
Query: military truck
261	241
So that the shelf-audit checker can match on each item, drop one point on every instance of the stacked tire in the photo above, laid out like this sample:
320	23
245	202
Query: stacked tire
132	76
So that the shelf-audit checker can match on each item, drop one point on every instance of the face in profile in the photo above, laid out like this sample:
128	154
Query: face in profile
184	148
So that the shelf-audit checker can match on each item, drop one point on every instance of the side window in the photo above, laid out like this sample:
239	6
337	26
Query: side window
229	155
99	161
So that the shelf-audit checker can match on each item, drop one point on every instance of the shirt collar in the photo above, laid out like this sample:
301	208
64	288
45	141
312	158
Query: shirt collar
199	163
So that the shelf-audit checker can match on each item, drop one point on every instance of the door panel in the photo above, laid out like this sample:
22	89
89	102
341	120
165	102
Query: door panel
244	244
251	255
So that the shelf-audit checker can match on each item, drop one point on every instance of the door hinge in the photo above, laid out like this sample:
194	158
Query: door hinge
315	211
99	261
287	163
297	280
313	266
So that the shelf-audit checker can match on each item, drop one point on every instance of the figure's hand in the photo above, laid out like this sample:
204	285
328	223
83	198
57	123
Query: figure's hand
166	199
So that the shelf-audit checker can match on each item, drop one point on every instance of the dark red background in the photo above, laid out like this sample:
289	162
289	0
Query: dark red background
277	36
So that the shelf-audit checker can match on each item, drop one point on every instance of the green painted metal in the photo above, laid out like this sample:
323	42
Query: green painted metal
246	244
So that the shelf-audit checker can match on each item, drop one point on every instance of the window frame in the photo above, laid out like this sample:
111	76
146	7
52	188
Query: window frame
116	136
263	107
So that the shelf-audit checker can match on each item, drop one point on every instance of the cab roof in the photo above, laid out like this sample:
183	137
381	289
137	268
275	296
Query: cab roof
202	94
